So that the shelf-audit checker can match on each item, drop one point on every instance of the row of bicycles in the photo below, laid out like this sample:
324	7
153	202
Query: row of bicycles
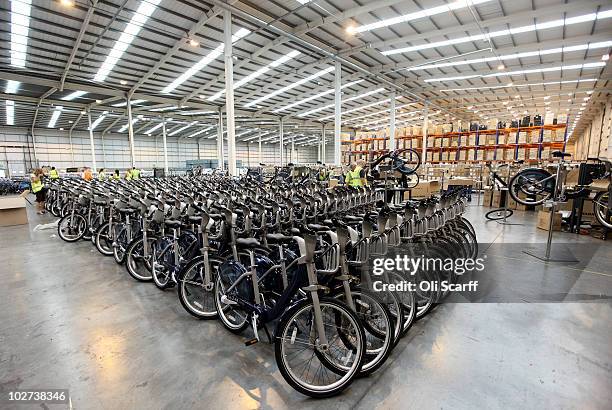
288	262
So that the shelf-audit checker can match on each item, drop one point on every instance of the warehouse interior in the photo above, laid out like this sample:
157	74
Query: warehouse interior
477	129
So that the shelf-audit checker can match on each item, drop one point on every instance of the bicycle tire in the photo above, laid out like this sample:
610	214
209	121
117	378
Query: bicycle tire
600	208
130	260
283	330
498	214
81	226
196	308
521	180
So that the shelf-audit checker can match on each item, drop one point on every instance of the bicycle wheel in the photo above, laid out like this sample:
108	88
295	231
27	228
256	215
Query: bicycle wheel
298	355
407	301
412	180
531	186
603	214
137	265
104	243
162	258
232	317
197	297
498	214
407	161
378	326
71	228
120	243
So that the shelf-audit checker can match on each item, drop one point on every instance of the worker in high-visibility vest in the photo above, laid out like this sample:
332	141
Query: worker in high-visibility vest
38	188
101	175
53	174
353	177
116	176
135	173
128	175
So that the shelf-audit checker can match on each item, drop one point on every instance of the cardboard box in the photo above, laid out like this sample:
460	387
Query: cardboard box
487	197
544	220
13	211
333	182
497	200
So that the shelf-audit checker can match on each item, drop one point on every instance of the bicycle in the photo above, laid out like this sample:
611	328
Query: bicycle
497	182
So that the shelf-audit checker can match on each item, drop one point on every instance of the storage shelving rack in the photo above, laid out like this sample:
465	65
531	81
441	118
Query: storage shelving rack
531	144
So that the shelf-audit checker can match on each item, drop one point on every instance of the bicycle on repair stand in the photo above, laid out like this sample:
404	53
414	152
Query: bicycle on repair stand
403	161
498	183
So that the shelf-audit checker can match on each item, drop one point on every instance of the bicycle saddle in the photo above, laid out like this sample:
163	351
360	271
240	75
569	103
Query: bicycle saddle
247	243
278	238
127	211
172	223
561	154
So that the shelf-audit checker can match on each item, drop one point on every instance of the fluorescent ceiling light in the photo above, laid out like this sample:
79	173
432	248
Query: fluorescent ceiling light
55	116
290	86
519	85
196	112
12	87
98	120
122	129
363	107
191	124
515	56
20	26
155	127
521	72
500	33
314	97
202	131
328	106
10	112
416	15
258	73
132	102
140	17
398	107
204	61
160	109
74	95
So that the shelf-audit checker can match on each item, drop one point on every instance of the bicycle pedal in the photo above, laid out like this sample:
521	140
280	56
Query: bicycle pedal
251	342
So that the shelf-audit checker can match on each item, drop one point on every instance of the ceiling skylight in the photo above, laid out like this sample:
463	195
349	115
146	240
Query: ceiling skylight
20	26
314	97
290	86
55	116
207	59
258	73
140	17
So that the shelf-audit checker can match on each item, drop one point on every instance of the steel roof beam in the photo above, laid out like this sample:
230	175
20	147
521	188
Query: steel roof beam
77	42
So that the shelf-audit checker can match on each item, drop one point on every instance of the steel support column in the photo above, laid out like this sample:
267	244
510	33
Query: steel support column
392	123
130	129
337	112
229	93
91	143
165	144
220	154
323	153
260	153
425	125
281	142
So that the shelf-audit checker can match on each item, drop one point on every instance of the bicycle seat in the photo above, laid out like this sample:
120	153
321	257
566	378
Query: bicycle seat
317	227
247	243
278	238
195	219
351	218
560	154
127	211
172	223
100	202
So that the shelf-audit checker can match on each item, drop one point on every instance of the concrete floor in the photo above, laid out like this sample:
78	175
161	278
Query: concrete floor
70	318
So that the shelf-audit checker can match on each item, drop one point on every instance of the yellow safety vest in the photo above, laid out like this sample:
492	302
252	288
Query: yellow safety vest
116	176
135	174
37	186
53	174
355	177
101	176
128	175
